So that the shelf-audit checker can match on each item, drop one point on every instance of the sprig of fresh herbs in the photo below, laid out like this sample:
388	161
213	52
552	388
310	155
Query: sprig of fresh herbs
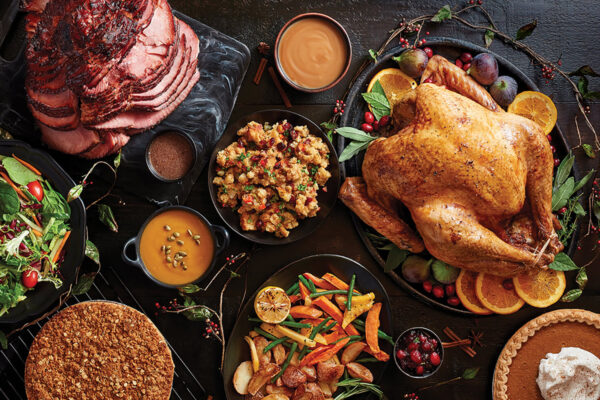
582	83
354	386
359	141
378	101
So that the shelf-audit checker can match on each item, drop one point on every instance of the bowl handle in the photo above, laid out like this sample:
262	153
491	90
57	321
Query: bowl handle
225	235
135	262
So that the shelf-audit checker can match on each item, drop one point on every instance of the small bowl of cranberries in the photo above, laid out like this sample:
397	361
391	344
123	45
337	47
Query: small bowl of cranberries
418	352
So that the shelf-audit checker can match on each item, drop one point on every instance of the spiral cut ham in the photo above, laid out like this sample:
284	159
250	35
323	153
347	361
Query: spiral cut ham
99	71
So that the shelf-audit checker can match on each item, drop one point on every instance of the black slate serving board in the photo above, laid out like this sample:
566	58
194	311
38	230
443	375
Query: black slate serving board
202	116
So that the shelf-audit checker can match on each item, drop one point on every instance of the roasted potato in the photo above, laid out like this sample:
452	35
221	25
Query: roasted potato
308	391
341	300
310	372
273	389
278	354
260	378
329	370
260	342
325	388
293	377
352	352
359	371
276	396
241	377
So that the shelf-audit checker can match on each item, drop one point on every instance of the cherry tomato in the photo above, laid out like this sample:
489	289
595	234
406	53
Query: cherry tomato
29	278
35	188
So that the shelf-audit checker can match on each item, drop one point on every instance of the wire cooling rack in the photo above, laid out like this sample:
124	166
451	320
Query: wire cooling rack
107	286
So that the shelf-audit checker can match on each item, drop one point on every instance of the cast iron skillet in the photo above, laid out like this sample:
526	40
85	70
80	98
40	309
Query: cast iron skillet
343	267
326	199
45	295
356	106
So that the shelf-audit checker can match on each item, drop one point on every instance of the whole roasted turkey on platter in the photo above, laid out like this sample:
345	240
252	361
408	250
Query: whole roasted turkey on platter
476	180
101	70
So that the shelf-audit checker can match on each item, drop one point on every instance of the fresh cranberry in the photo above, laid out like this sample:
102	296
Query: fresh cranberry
293	134
427	286
426	346
428	51
369	117
412	346
422	338
508	284
415	356
438	291
453	301
466	57
420	370
367	127
466	66
281	146
556	162
376	125
458	63
401	354
549	137
287	126
433	342
435	359
450	290
553	149
383	121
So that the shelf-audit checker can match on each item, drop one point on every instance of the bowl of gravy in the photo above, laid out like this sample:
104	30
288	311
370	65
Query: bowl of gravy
176	246
312	52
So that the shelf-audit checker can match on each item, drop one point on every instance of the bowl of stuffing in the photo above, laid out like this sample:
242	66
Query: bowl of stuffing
274	177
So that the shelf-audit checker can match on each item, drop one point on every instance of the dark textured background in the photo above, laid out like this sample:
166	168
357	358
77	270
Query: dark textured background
570	29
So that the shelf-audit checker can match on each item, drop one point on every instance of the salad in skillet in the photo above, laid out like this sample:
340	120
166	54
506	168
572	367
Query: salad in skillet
312	341
34	227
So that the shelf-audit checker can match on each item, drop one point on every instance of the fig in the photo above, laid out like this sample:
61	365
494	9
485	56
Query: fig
416	269
444	273
484	68
504	90
412	62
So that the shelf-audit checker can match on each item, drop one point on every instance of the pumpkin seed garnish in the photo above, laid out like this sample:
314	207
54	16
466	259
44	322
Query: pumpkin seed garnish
196	237
169	259
190	233
168	251
176	234
182	253
180	242
170	238
162	248
167	228
198	242
184	266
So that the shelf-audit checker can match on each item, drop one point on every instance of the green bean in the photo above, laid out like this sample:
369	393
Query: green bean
292	324
350	292
330	326
275	343
269	336
286	363
360	326
327	292
290	318
293	288
312	335
366	360
305	283
352	338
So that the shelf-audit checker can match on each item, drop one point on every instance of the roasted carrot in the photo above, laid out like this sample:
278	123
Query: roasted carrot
329	352
337	282
11	183
380	355
294	298
331	309
305	312
319	282
313	355
305	294
27	165
372	328
62	245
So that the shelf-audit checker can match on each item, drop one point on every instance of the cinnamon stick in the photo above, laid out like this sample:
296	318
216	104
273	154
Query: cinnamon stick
450	333
456	343
282	93
260	71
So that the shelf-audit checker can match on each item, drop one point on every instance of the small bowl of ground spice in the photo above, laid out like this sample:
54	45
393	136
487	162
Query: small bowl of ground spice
170	156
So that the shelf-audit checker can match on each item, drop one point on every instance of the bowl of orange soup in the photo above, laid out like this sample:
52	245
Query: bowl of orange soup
312	52
176	246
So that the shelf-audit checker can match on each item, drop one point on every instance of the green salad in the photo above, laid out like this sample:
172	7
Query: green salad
34	227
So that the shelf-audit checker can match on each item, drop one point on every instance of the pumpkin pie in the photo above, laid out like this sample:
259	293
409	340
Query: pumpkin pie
517	367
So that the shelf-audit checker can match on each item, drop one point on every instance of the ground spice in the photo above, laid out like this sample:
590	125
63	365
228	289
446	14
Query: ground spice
171	155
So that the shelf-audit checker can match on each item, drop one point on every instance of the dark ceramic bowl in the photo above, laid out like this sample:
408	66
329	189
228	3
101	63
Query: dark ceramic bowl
440	352
214	230
326	199
348	49
45	295
343	267
150	167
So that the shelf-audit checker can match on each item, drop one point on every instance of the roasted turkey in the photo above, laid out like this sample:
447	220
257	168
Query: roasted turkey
476	180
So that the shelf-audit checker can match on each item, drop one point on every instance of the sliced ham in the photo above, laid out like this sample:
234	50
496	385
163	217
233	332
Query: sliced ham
74	141
108	143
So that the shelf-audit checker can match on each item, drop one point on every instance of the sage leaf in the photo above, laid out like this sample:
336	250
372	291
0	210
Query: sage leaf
378	101
488	38
19	173
583	181
353	149
74	193
526	30
578	209
585	70
234	274
373	54
470	373
562	262
581	278
571	295
3	340
564	170
395	257
84	283
330	127
443	14
117	160
562	194
9	200
589	150
190	288
197	313
355	134
91	252
107	217
582	85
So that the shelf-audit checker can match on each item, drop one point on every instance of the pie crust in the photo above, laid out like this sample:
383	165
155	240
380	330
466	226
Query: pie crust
509	352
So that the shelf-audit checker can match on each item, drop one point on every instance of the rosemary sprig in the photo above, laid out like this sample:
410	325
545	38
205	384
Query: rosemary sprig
353	387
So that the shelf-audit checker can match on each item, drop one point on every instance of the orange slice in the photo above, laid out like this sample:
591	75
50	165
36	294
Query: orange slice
541	287
272	304
465	290
537	107
393	81
494	296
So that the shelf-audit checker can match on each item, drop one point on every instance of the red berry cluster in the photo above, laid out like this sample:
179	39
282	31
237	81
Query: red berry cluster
440	291
339	107
595	198
371	124
411	396
464	61
211	328
556	160
480	2
548	73
405	44
418	353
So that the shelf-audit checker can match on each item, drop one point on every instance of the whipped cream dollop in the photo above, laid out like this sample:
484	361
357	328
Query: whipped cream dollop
572	374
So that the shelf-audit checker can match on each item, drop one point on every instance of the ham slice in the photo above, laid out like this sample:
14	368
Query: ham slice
70	142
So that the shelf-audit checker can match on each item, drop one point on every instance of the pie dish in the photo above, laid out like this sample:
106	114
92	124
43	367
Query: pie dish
517	367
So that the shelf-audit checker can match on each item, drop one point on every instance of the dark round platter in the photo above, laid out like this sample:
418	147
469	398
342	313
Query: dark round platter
45	295
353	114
343	267
326	199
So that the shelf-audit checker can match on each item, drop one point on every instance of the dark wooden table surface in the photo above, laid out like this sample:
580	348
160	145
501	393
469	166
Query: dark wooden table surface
565	29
